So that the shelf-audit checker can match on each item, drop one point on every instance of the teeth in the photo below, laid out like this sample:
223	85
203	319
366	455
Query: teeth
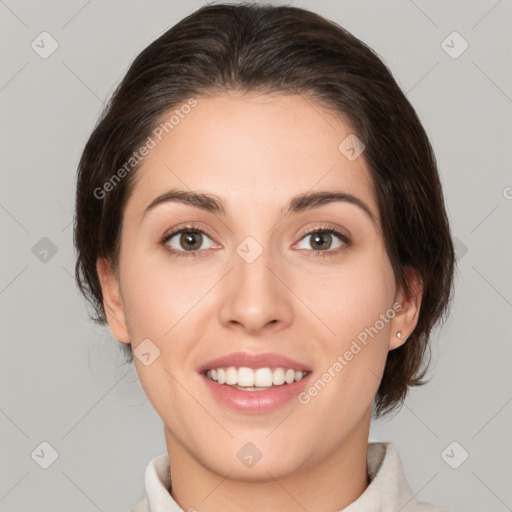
244	377
290	376
263	377
231	376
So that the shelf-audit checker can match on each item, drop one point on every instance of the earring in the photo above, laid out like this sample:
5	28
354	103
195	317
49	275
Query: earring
399	334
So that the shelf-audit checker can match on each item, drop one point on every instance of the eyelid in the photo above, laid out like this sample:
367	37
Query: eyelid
326	227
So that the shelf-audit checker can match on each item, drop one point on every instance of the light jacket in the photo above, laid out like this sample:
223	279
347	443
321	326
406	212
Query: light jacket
388	490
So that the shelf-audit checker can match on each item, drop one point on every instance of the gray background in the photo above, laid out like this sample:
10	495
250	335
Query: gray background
63	380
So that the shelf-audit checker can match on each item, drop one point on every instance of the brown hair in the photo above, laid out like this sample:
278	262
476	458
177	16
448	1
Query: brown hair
263	48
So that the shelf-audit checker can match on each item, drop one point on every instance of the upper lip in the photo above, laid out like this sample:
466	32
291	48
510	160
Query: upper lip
248	360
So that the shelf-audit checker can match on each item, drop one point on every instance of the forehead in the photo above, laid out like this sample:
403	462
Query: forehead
257	148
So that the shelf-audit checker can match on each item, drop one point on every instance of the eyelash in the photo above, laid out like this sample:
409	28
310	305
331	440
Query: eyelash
313	253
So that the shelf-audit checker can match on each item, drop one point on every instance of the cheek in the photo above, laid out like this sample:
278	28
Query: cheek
355	303
157	294
160	302
351	297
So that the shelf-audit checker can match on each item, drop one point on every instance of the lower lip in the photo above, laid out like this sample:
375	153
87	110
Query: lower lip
255	402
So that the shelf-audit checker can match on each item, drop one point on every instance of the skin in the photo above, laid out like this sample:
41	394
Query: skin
256	153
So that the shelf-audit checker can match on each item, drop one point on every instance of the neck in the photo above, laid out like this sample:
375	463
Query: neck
332	484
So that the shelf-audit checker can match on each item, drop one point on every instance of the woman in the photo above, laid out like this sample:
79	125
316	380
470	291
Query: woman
259	219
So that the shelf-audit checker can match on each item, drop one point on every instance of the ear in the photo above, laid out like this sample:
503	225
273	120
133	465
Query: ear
406	319
112	300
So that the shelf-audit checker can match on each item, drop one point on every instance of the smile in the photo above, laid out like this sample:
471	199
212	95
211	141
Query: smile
254	379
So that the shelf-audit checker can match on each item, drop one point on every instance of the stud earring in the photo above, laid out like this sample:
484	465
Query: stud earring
399	334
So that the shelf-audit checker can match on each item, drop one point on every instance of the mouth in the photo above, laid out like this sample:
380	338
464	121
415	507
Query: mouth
254	383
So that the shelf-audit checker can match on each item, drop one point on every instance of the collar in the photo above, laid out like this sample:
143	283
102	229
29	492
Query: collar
388	490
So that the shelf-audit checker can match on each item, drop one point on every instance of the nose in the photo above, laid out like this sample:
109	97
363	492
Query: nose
254	297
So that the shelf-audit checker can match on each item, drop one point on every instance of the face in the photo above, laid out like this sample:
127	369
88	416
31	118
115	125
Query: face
249	274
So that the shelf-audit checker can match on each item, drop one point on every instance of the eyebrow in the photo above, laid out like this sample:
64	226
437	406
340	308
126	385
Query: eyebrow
214	204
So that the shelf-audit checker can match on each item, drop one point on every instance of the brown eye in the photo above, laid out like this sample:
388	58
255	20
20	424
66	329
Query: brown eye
190	240
323	240
186	240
